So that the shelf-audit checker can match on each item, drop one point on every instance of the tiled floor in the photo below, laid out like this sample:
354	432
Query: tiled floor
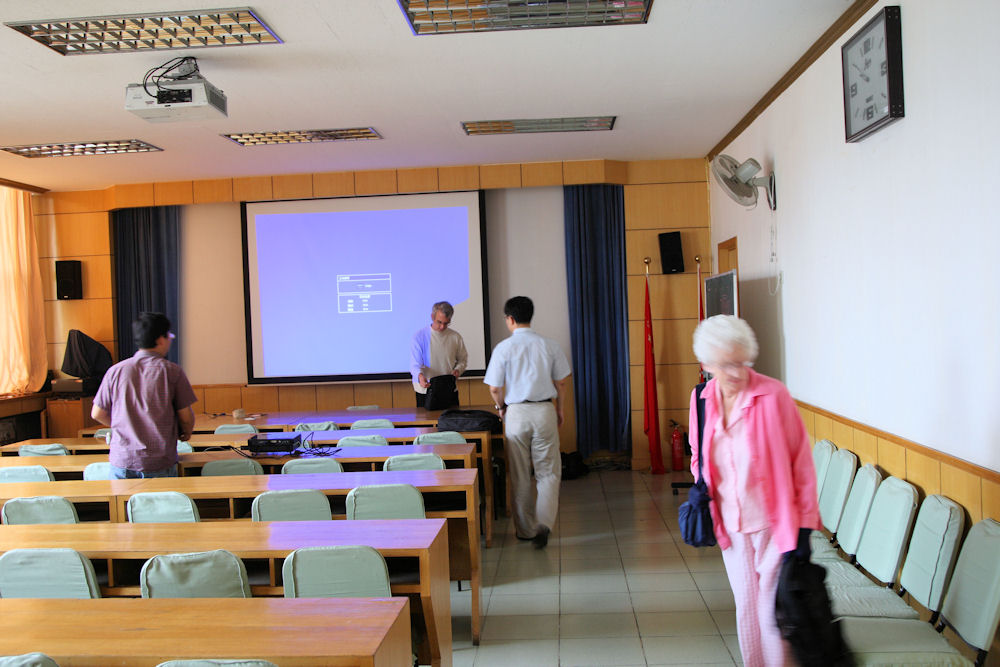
613	587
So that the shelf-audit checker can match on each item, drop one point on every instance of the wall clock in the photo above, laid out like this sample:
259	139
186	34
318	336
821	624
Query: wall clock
873	75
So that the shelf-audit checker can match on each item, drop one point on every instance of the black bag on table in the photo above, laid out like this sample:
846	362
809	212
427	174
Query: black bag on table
443	393
469	420
694	515
805	618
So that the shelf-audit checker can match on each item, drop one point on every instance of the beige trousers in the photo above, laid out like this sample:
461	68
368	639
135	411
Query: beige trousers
532	432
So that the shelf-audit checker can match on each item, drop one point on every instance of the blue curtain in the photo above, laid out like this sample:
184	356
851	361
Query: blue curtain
598	314
146	248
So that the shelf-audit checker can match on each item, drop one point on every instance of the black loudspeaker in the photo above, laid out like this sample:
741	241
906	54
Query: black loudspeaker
671	256
69	280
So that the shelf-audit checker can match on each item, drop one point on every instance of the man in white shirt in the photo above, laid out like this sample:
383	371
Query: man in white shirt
527	371
436	350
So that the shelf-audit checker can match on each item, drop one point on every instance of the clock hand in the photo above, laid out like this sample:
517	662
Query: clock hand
863	75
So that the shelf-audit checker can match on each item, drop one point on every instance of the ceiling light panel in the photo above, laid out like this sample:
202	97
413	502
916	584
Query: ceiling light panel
433	17
302	136
128	33
531	125
82	148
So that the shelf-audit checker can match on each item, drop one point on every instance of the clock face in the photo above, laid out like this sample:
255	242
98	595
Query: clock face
867	78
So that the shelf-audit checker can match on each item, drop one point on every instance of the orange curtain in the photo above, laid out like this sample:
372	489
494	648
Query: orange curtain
23	360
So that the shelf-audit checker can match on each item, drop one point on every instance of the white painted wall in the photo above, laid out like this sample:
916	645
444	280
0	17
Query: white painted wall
887	248
525	253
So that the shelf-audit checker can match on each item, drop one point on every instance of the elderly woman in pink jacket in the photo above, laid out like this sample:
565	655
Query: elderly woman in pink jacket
758	466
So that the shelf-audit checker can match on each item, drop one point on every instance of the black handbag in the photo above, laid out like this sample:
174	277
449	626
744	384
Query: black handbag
694	515
442	393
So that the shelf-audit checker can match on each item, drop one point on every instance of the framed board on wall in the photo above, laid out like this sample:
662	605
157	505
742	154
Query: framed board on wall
722	295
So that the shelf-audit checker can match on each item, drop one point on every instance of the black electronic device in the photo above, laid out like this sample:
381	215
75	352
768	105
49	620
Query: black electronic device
671	255
274	442
69	279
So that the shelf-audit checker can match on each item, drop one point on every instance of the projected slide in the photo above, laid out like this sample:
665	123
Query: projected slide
340	293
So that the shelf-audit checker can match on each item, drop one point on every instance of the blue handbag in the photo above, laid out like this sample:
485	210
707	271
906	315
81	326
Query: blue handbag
694	515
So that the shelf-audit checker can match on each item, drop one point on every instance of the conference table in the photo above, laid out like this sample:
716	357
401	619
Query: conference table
136	632
402	543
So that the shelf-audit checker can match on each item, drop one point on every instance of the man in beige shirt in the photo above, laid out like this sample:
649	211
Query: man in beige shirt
436	350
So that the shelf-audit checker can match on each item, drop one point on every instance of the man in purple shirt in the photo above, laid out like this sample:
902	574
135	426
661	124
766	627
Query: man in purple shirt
146	400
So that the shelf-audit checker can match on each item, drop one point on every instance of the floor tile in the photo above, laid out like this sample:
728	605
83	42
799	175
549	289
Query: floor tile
661	581
601	651
538	653
686	650
597	625
595	566
668	601
594	583
676	623
498	627
595	603
510	605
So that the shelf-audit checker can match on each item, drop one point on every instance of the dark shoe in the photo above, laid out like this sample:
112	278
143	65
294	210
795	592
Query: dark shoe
524	539
541	538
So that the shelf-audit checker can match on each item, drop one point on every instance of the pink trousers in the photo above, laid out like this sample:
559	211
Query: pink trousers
752	565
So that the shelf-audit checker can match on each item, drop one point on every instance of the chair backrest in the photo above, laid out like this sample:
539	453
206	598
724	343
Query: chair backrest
290	505
839	475
385	501
40	509
240	466
97	470
162	507
316	426
414	462
103	433
372	423
27	660
184	447
440	438
25	474
932	551
236	428
50	449
203	574
888	528
972	604
309	466
335	572
47	573
859	501
822	451
206	662
374	440
362	407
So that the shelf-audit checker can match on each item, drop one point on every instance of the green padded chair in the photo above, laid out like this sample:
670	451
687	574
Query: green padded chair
184	447
414	462
51	449
385	501
320	464
97	470
440	438
971	608
362	407
372	423
853	518
291	505
822	452
162	507
40	509
47	573
316	426
27	660
103	433
216	663
373	440
203	574
335	572
25	474
240	466
235	428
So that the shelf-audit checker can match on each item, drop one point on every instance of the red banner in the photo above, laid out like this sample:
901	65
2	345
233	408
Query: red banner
650	408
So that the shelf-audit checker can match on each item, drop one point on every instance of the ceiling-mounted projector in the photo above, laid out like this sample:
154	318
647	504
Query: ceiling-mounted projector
175	91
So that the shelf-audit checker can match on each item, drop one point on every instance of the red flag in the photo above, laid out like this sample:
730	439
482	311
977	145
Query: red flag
650	408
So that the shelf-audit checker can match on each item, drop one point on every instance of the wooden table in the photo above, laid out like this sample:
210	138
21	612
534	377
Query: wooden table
401	542
143	633
96	499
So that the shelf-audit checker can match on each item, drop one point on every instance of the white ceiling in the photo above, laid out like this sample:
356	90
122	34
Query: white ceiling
677	85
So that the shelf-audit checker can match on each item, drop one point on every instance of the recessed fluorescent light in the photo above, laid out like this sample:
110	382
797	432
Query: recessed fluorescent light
126	33
82	148
529	125
302	136
430	17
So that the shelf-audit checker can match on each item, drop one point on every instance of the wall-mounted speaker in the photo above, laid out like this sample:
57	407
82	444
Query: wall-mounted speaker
69	279
671	255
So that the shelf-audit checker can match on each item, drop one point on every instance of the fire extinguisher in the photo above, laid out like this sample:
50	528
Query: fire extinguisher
677	446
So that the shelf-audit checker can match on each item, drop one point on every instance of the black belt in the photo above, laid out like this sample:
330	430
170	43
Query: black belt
544	400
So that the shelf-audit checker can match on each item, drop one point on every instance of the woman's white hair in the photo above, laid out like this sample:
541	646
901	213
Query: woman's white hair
719	334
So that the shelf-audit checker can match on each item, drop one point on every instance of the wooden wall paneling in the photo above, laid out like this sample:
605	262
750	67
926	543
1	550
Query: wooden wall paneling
176	193
47	270
297	398
458	178
641	243
259	399
402	395
94	317
83	201
671	297
666	206
808	419
640	443
211	191
375	182
73	235
252	188
616	172
541	174
373	393
496	176
333	184
334	396
674	383
95	275
45	235
991	499
479	393
965	488
923	472
130	196
824	427
292	186
581	172
866	447
417	180
199	391
464	391
671	341
223	398
892	458
843	435
667	171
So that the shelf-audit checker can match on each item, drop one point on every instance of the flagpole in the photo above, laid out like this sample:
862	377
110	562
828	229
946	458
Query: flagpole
701	312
